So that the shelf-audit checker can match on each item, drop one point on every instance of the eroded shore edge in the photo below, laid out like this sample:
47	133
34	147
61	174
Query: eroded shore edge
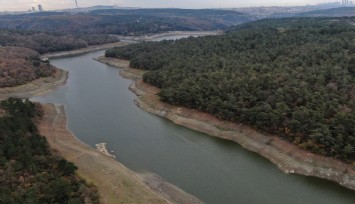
92	48
36	87
288	157
115	182
148	187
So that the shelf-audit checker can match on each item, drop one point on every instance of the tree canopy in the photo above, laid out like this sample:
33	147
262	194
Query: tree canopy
44	42
291	77
21	65
29	171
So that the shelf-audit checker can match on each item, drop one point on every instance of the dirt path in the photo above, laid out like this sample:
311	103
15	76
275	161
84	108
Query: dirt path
36	87
115	182
288	157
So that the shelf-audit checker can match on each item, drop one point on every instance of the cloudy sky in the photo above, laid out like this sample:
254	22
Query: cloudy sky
17	5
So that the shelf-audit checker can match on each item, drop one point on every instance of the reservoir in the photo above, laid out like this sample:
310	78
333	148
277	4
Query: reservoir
100	109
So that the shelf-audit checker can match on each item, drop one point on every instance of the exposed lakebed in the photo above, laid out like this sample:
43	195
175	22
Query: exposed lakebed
100	109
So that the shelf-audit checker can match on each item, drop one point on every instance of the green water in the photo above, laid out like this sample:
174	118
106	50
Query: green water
100	108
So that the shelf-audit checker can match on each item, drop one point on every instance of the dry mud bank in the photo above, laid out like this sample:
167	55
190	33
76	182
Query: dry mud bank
36	87
288	157
115	182
83	50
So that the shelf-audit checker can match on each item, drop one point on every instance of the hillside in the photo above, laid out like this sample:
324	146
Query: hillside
44	42
21	65
29	171
294	78
333	12
124	22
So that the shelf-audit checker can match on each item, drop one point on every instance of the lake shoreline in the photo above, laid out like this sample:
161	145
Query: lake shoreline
53	55
115	182
149	188
104	172
36	87
153	37
45	85
125	41
288	157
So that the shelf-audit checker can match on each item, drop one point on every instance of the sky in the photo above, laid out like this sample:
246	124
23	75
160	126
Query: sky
20	5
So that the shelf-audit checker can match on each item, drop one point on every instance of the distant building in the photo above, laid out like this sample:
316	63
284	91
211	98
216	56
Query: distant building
40	8
347	2
33	9
329	4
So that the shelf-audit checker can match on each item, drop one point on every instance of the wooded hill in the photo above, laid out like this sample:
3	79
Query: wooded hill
44	42
290	77
29	171
21	65
333	12
124	22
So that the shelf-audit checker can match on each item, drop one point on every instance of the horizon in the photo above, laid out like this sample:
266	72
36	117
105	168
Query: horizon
50	5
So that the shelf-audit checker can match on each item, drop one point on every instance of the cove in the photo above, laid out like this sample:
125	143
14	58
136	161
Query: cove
100	109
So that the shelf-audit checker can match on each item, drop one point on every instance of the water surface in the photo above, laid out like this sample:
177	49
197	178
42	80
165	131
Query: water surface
100	109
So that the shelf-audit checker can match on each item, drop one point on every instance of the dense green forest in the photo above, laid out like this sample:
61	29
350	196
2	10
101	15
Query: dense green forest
291	77
29	171
124	21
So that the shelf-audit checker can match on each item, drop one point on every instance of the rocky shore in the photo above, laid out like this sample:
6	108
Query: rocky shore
288	157
101	147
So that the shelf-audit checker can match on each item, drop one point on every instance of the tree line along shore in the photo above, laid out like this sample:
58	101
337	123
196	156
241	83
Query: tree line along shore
30	172
40	77
289	77
288	157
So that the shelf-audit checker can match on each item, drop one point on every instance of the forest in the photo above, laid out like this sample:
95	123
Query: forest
21	65
62	31
44	42
29	171
333	12
293	77
125	21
